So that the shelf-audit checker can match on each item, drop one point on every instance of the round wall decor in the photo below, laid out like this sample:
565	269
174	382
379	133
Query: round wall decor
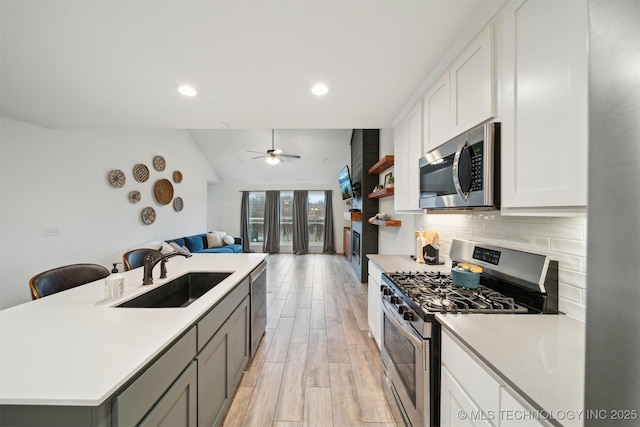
141	172
177	177
163	190
134	196
148	215
178	204
158	163
117	178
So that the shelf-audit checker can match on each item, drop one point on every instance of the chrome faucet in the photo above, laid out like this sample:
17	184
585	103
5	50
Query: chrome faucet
150	262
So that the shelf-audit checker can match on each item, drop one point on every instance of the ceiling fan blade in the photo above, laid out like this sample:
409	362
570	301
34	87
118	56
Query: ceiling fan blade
252	151
259	157
293	156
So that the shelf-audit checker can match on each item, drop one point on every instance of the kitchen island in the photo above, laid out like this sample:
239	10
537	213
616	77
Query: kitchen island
74	349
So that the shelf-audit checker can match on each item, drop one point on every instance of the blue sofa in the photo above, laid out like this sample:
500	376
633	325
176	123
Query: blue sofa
198	244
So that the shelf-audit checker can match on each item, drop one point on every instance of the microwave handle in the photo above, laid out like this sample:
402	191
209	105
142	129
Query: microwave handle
456	171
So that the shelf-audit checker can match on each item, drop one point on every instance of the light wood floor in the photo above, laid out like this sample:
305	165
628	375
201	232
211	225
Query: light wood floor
316	365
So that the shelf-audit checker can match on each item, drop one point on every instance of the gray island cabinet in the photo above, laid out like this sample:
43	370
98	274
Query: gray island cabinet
189	382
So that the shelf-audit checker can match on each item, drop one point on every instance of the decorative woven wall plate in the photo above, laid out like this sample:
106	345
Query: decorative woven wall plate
177	177
148	215
117	178
134	196
141	172
178	204
158	163
163	190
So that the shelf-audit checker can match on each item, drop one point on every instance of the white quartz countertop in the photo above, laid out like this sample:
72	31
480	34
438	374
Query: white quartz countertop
391	263
540	356
76	348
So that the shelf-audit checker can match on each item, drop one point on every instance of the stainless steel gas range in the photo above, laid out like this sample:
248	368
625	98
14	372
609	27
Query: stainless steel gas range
511	282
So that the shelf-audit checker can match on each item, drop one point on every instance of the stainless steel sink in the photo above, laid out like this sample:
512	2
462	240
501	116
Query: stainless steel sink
179	292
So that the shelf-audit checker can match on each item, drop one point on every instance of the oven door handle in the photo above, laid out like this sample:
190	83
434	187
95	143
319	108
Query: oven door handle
417	342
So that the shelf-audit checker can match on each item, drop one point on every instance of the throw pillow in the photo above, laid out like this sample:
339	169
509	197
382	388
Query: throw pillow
166	248
214	238
178	248
194	243
228	240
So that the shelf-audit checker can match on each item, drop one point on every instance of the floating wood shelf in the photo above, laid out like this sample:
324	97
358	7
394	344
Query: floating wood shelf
385	192
383	164
387	223
353	216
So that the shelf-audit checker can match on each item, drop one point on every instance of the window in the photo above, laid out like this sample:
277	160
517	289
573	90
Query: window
316	218
286	217
315	215
256	216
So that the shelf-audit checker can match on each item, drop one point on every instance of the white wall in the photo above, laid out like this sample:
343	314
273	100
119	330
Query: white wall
225	199
58	178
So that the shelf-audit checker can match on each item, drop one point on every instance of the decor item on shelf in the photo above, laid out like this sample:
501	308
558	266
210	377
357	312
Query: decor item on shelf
388	180
117	178
177	177
158	163
274	155
378	187
163	190
141	172
178	204
379	216
134	196
148	215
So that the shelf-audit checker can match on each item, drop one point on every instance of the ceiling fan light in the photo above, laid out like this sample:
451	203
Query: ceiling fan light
272	160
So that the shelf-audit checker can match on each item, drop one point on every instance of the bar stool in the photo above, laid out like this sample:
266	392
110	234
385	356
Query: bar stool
63	278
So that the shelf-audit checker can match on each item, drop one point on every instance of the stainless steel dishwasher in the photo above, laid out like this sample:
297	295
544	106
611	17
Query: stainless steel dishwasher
258	305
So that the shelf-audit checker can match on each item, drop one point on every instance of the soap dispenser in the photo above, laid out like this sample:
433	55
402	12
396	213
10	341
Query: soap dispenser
114	284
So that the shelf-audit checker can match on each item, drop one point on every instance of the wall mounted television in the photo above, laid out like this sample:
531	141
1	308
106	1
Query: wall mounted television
344	179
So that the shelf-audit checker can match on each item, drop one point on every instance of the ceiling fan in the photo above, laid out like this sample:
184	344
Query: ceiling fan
274	155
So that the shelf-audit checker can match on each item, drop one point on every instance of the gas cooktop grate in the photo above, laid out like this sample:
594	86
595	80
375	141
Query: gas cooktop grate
435	292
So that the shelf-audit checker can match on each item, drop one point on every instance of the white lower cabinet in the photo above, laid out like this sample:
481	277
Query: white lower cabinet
375	302
473	395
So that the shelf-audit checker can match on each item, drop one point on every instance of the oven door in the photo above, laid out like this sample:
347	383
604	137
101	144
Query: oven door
405	356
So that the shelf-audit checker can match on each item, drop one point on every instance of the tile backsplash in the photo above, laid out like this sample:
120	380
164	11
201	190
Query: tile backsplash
563	239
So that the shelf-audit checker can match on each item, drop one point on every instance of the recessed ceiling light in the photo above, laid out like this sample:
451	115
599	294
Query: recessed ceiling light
187	90
319	89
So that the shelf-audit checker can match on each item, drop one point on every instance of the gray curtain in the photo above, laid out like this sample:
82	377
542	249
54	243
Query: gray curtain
271	244
328	246
300	222
244	222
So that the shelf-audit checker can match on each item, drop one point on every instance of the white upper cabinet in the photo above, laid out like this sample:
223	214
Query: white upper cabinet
473	84
465	94
407	151
544	94
437	129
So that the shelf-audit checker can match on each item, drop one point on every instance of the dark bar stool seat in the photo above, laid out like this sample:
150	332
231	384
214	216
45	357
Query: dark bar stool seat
63	278
135	258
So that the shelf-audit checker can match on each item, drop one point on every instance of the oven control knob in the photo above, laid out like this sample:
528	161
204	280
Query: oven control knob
395	299
402	309
386	290
408	315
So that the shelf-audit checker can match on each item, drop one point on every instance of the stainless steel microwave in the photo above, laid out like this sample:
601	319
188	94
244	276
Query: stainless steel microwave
463	173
